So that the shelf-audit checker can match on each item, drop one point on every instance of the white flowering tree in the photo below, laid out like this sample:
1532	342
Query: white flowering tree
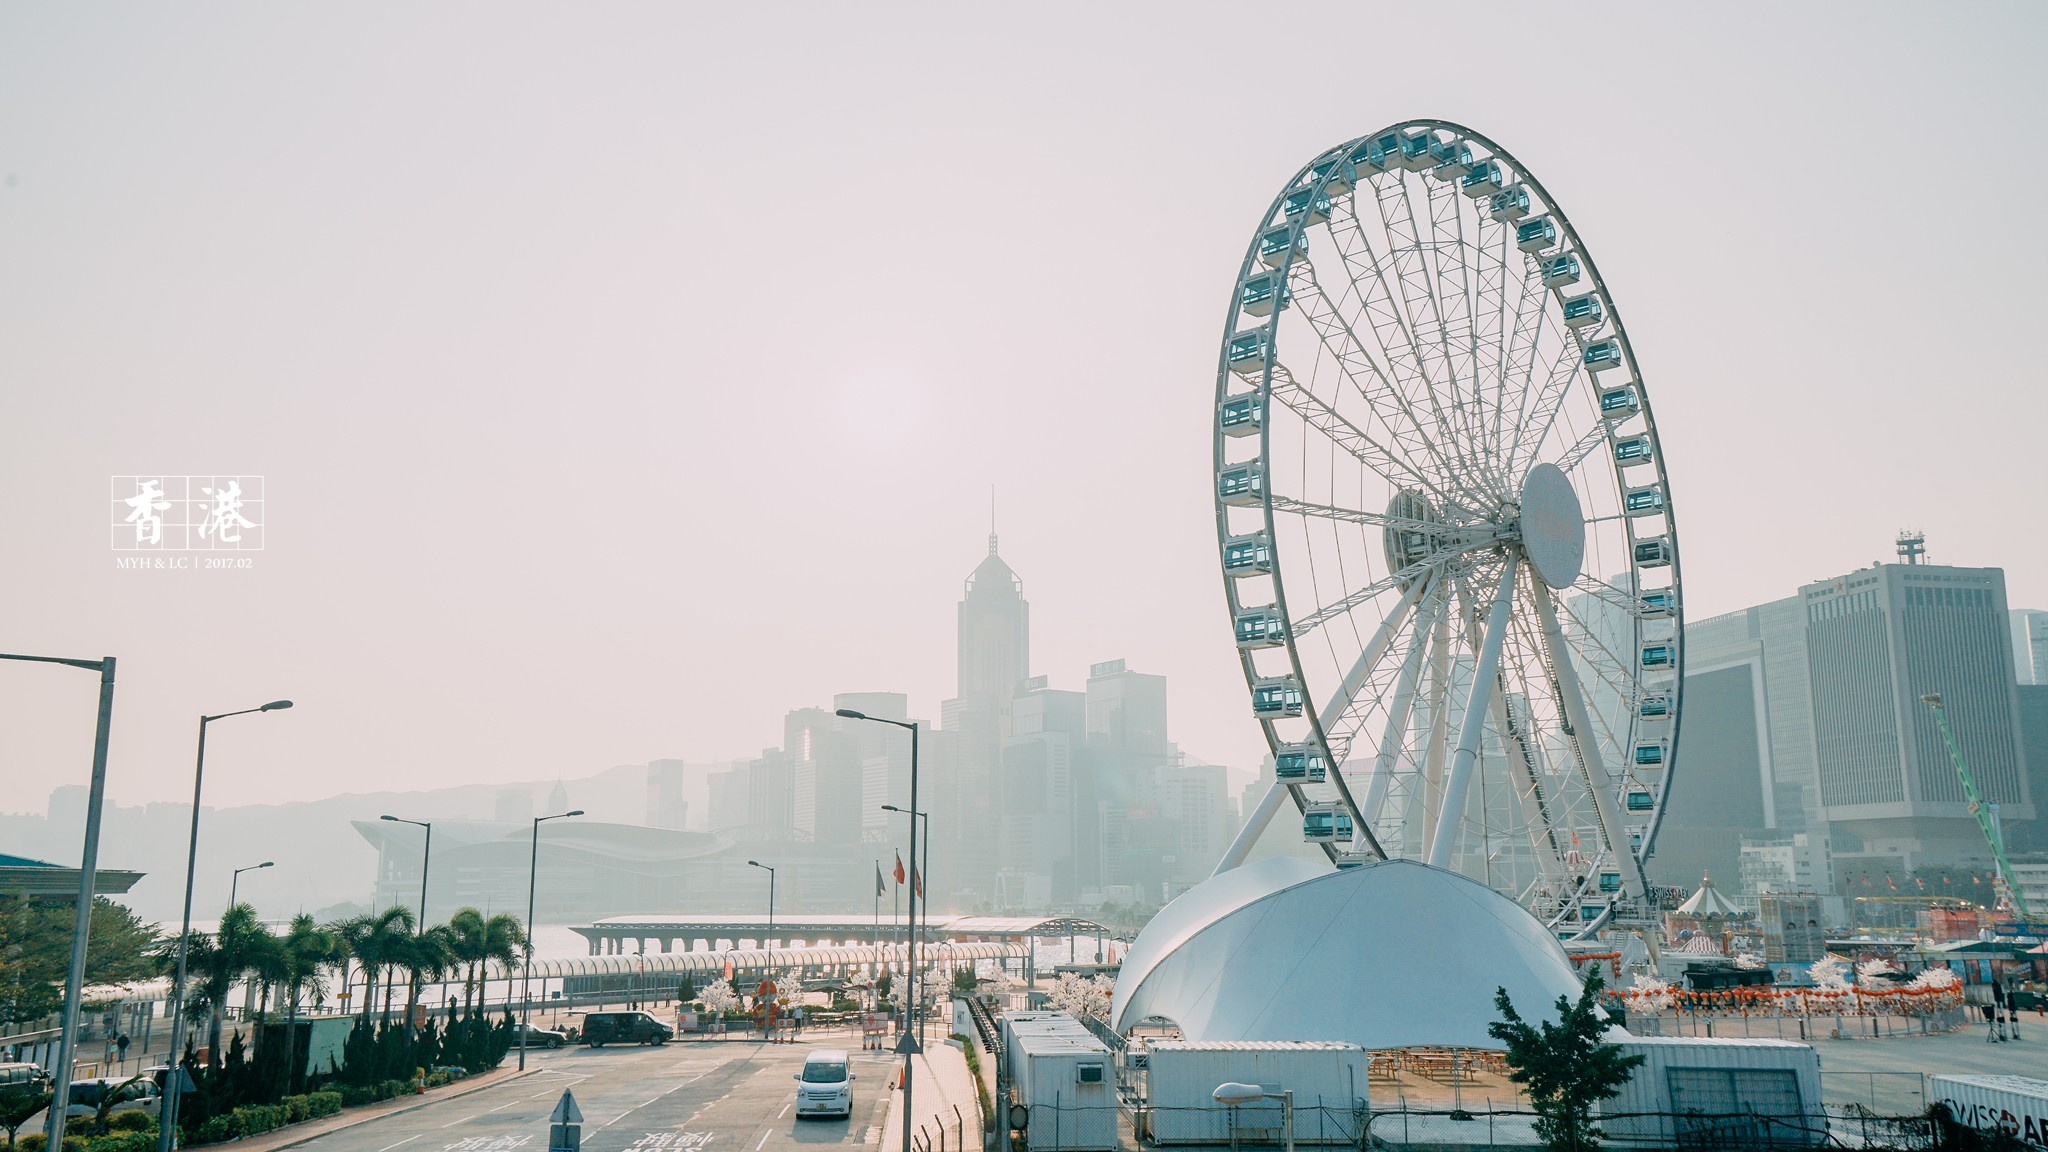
718	997
1649	994
1830	974
1082	996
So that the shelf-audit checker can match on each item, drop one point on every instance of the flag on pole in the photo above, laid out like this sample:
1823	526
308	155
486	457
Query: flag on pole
1888	882
899	868
919	886
880	887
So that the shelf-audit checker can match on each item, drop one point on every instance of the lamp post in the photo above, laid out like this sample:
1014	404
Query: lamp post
1237	1095
916	883
526	975
426	859
767	941
88	870
167	1126
908	1045
237	880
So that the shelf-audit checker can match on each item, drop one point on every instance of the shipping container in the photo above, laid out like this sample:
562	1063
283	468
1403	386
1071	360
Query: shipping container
1327	1078
1717	1091
1066	1081
2014	1105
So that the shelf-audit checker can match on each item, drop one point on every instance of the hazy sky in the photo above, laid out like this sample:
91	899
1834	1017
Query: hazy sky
626	375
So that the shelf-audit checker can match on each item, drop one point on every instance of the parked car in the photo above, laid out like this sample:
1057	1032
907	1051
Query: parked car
30	1076
538	1037
825	1086
602	1028
87	1096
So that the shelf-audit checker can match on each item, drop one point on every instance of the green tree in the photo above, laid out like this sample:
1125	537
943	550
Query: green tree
476	941
426	956
35	953
17	1104
304	951
1566	1067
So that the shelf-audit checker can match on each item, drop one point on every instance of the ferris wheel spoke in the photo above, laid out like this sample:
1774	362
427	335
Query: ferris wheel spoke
1392	468
1410	257
1592	767
1451	309
1491	347
1356	361
1548	400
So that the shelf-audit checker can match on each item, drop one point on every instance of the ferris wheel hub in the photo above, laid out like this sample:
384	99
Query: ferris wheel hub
1553	526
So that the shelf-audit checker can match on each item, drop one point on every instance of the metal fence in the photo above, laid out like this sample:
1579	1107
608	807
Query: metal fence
1843	1027
1849	1127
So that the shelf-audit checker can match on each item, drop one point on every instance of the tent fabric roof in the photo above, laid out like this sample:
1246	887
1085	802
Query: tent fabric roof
1708	903
1385	955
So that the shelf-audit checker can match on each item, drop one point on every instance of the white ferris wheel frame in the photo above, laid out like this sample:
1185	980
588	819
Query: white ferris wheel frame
1253	374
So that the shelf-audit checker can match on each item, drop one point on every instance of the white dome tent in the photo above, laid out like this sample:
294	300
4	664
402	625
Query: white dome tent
1392	954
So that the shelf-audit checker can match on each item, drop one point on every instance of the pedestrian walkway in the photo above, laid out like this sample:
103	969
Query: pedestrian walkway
945	1108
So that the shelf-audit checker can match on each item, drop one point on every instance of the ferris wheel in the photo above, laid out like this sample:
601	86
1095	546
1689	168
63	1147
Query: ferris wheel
1445	528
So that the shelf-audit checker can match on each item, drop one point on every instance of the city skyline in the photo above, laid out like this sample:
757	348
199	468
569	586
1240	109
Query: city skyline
522	573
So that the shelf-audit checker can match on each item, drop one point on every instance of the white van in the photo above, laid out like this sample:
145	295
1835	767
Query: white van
825	1086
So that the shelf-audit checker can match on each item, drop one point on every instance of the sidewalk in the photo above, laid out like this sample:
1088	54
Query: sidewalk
940	1083
296	1134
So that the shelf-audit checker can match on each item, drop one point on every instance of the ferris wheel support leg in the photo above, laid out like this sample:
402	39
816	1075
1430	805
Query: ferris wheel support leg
1473	729
1394	742
1586	742
1254	827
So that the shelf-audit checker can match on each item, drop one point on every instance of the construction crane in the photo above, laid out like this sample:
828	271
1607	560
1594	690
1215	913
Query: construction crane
1986	814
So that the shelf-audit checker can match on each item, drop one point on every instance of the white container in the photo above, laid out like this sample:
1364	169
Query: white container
1327	1078
2014	1105
1067	1082
1748	1092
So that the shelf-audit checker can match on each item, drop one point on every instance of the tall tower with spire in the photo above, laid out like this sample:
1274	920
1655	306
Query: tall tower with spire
995	659
995	630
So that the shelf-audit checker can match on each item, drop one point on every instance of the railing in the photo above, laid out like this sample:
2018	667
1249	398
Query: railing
1835	1128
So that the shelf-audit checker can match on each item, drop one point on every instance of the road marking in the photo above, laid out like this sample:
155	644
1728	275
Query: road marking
407	1140
453	1123
785	1110
764	1139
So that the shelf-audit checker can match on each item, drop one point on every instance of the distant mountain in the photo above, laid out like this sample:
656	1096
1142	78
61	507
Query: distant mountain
320	860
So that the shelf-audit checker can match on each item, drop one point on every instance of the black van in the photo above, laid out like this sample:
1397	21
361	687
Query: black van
601	1028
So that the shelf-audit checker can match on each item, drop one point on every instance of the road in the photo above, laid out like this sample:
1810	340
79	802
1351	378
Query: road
691	1097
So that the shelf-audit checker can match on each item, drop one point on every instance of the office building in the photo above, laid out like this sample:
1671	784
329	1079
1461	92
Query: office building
666	807
2030	645
1805	715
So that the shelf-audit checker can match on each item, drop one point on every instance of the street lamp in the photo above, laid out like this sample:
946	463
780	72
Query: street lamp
1237	1095
766	941
238	878
526	975
168	1122
426	859
908	1045
917	882
88	871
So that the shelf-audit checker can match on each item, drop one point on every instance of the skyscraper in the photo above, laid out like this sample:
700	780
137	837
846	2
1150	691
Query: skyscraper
1878	640
2030	645
1805	714
994	660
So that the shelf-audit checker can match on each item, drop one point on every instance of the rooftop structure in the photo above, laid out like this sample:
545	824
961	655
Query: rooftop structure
42	880
1385	955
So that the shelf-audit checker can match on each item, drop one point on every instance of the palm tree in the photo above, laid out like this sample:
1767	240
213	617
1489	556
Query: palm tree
347	932
383	940
478	941
427	956
304	951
